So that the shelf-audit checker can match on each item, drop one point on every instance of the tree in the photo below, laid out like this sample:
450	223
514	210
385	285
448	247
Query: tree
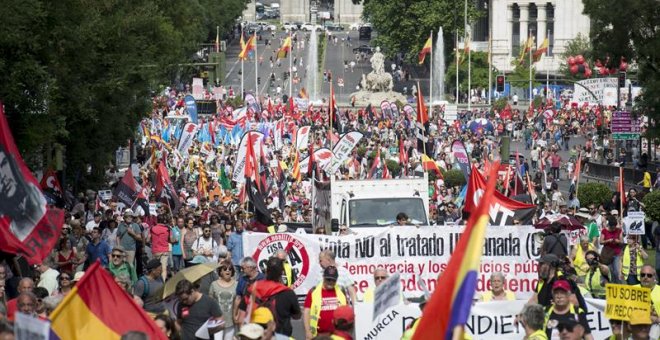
593	193
81	74
479	72
403	26
629	31
520	75
652	205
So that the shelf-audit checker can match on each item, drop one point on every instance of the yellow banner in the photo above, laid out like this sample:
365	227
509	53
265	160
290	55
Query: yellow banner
623	299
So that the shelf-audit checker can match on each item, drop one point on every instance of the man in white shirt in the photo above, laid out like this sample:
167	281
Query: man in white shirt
93	223
48	276
206	246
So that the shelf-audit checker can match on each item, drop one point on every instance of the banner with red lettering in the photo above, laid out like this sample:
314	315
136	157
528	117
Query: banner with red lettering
417	254
29	227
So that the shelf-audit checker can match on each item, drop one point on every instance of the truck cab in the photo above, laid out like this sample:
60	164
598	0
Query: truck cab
375	203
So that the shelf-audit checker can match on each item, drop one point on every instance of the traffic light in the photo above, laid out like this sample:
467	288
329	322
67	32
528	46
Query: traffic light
258	80
622	79
499	81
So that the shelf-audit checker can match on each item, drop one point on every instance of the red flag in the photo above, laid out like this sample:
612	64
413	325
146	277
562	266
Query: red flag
403	155
422	113
375	165
165	191
251	161
50	181
29	227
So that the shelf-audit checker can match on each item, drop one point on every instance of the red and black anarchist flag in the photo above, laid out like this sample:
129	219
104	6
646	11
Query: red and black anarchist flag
29	227
503	210
165	191
129	192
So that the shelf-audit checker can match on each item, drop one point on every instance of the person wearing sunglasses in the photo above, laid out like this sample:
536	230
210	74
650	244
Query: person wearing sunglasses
380	275
65	284
223	290
118	264
562	310
647	276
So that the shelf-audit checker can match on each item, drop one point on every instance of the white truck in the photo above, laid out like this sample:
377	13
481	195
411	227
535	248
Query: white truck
373	203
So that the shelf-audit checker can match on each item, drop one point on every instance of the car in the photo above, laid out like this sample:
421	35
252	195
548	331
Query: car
363	49
331	26
266	26
309	27
289	26
356	26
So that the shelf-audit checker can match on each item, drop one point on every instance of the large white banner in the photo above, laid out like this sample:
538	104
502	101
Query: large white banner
488	320
302	137
187	137
419	255
239	169
322	157
343	149
596	85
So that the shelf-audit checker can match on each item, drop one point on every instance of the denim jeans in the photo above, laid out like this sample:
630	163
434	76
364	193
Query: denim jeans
615	270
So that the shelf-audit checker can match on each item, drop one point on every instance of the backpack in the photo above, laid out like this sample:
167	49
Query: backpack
145	291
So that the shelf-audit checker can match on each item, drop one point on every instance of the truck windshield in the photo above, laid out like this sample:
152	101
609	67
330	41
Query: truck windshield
383	211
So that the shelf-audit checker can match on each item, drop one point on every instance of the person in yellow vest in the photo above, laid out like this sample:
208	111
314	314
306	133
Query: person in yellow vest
648	277
497	291
320	304
380	275
532	318
562	309
343	319
577	256
632	260
597	275
287	278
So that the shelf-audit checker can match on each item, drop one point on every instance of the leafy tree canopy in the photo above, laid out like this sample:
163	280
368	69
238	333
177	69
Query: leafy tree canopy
478	72
403	26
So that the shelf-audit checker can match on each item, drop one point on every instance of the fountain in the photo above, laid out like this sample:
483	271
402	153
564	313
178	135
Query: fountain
439	70
377	85
312	80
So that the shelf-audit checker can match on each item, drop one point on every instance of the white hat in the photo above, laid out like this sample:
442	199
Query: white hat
251	331
129	212
282	228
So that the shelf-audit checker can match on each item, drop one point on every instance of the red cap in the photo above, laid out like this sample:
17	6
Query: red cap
563	285
344	313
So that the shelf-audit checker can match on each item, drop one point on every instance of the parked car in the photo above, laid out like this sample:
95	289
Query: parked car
331	26
266	26
309	27
289	26
363	49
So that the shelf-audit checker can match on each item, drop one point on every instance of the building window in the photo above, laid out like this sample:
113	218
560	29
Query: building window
532	25
515	30
480	31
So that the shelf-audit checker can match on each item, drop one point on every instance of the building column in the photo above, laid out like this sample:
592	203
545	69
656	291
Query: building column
509	31
541	23
524	23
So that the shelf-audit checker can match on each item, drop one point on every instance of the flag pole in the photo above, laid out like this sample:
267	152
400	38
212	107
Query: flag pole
465	41
242	68
256	67
490	59
431	75
290	66
547	70
457	67
469	51
419	114
529	36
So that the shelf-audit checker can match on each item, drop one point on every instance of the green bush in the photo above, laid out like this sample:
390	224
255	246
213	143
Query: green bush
454	178
393	167
652	205
235	102
593	193
500	104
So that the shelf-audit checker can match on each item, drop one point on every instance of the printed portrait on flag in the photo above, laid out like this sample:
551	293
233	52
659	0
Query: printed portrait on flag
21	203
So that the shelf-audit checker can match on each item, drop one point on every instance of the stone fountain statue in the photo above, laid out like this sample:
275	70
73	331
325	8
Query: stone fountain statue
377	85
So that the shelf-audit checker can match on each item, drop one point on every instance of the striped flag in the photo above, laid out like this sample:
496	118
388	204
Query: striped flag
428	45
448	308
86	314
526	48
295	168
539	51
249	46
285	49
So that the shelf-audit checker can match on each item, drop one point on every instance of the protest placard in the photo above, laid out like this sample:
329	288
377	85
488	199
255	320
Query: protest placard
623	299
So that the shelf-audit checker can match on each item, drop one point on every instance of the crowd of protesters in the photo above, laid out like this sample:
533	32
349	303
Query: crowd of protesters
143	249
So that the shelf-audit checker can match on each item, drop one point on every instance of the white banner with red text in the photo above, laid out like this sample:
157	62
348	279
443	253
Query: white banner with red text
419	255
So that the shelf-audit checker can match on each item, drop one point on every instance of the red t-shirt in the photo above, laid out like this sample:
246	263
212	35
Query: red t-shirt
12	308
612	235
329	303
160	235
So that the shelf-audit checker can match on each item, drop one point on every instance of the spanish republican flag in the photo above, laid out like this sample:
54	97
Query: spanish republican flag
539	51
448	308
97	308
428	45
249	46
429	164
285	49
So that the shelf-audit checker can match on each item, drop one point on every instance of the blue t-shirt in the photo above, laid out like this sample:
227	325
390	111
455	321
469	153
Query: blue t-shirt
98	251
176	246
244	282
235	246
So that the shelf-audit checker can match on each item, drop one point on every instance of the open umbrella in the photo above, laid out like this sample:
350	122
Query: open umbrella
566	222
191	274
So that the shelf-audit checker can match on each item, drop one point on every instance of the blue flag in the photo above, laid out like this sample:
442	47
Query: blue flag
191	108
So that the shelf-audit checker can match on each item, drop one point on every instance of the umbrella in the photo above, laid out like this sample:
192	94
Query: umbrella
191	274
567	222
481	125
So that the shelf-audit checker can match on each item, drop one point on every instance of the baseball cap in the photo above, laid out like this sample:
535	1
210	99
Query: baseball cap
262	315
561	284
153	264
640	317
344	313
330	273
548	258
251	331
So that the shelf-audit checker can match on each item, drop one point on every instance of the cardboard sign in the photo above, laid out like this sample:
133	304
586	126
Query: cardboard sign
634	223
623	299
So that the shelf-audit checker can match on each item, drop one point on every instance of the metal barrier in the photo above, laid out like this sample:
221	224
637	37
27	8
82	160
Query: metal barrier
604	173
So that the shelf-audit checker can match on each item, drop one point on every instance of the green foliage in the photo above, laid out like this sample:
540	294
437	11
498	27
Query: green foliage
630	31
393	167
652	205
593	193
235	102
500	104
405	25
361	150
538	101
453	178
81	73
520	76
478	72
